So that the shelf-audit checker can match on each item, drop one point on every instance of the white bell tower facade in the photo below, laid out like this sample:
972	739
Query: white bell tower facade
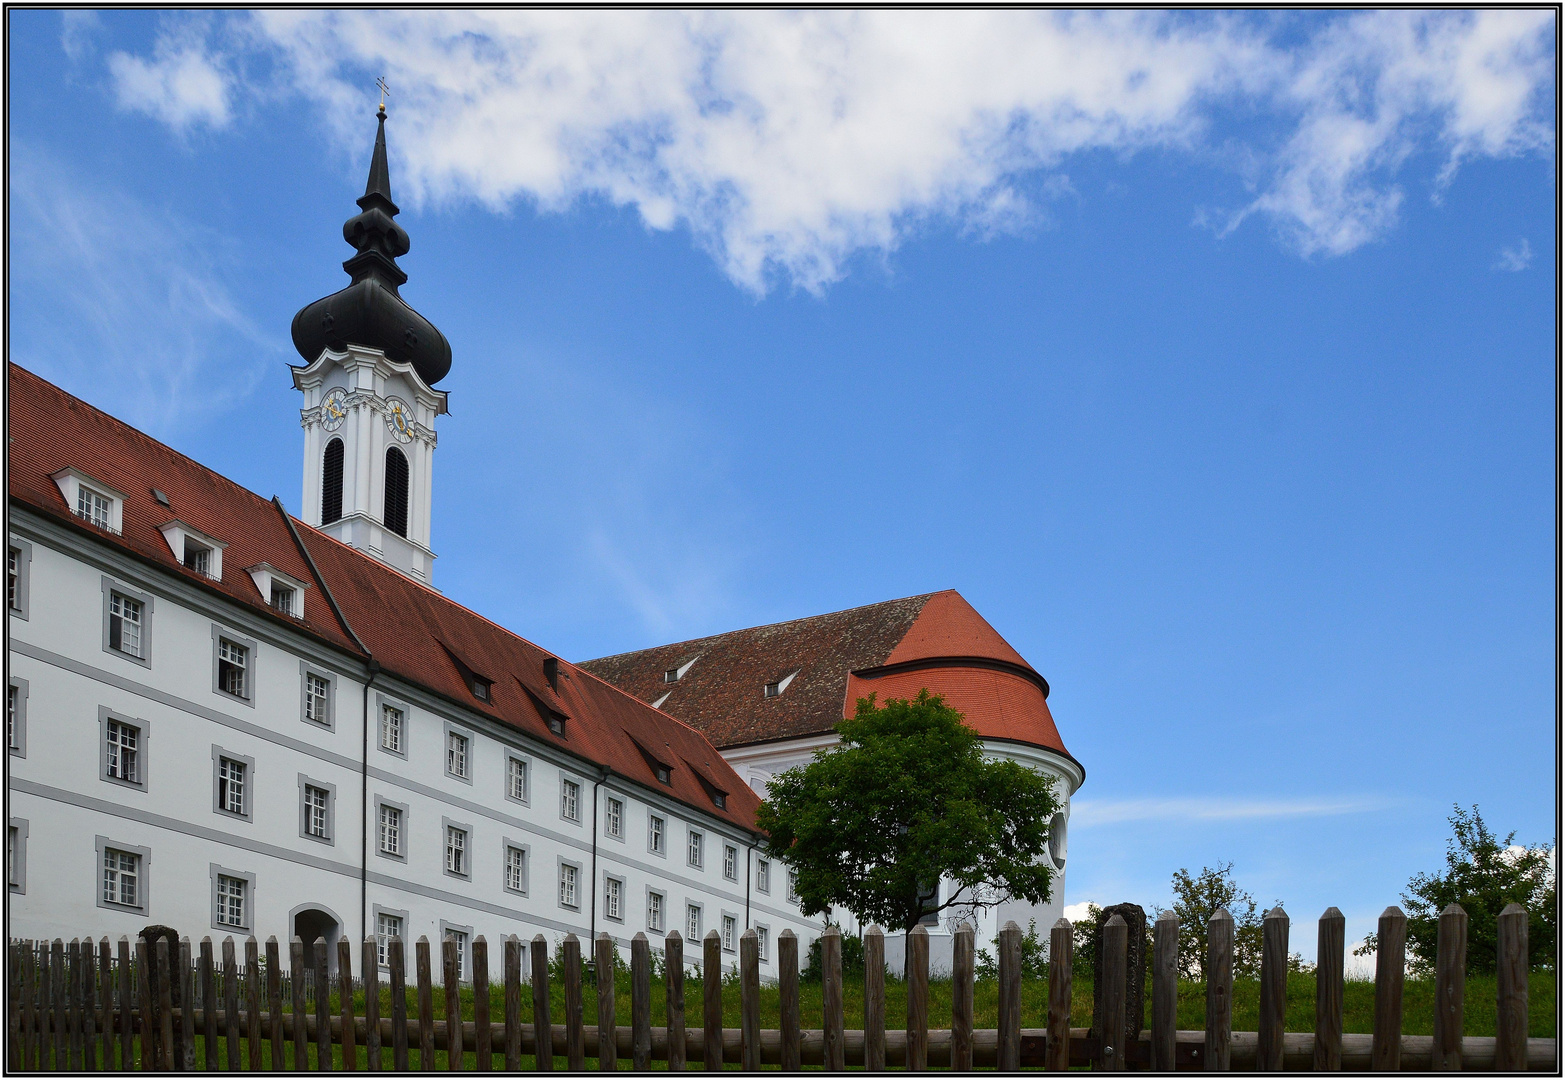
369	447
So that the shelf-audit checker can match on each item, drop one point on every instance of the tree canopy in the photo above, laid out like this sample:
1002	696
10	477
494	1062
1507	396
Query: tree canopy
1196	899
907	798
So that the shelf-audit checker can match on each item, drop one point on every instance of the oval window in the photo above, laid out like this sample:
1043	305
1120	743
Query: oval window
1057	841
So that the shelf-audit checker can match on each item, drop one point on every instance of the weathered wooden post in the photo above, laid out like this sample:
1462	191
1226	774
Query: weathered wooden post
252	999
1510	1045
450	965
749	1002
106	995
1062	943
1111	1048
369	964
575	1023
640	1003
1125	1029
483	1031
85	980
1219	989
322	961
543	1030
513	1004
396	955
349	1038
788	994
1390	964
127	1020
73	1003
300	1029
1450	989
918	1002
1331	943
962	961
274	1000
874	999
13	1057
674	998
712	1001
835	1048
231	1002
165	981
59	982
28	952
187	997
1009	1051
608	1051
426	1004
1274	990
208	981
1165	990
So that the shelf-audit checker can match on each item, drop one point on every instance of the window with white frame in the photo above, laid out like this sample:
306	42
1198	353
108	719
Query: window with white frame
655	830
793	886
231	786
655	912
13	577
692	922
233	662
459	937
13	868
282	598
613	889
568	875
390	829
93	506
123	752
316	802
456	754
12	693
761	935
198	557
456	850
613	816
730	862
570	800
730	931
693	849
515	868
763	875
516	779
125	624
121	877
231	900
386	928
391	728
317	698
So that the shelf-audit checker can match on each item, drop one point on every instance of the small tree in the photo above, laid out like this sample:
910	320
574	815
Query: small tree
908	798
1196	899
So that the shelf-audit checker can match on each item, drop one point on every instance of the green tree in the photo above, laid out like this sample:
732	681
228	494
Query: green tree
1482	873
908	798
1196	899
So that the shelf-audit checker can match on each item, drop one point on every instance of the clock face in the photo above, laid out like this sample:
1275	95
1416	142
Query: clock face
334	410
400	419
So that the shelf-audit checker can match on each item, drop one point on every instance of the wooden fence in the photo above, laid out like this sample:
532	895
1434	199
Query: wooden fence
84	1006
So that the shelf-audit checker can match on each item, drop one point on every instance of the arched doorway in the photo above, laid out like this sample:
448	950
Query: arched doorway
313	921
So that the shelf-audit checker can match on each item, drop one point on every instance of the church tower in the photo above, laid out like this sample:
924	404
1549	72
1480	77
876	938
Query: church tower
371	363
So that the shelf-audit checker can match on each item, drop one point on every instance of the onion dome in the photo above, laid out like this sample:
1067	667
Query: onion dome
370	312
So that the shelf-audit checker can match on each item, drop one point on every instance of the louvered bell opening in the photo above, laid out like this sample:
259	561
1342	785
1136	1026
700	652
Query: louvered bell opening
396	516
331	483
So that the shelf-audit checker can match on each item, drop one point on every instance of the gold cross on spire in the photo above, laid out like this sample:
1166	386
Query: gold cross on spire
384	90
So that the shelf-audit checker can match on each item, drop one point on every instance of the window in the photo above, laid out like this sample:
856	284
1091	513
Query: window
387	926
763	875
482	688
516	779
233	660
459	939
613	816
391	728
13	560
390	830
456	754
93	506
231	786
664	774
316	801
730	862
16	855
19	558
568	885
331	482
719	799
198	557
672	675
16	716
125	624
282	598
655	912
793	886
515	868
396	501
121	878
693	849
693	922
655	834
730	929
760	940
570	800
123	752
556	724
317	698
11	740
456	851
773	689
231	901
613	888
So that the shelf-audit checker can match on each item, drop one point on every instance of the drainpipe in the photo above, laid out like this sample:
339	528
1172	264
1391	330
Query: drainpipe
749	874
372	669
592	908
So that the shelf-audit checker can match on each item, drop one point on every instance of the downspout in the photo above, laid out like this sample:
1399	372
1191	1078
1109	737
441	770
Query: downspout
592	906
749	873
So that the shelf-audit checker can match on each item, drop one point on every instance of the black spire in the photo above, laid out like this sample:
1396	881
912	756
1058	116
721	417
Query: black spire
370	311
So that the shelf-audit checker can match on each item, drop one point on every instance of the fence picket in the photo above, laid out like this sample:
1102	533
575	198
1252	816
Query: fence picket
1274	990
73	1002
1008	1052
253	1002
396	954
513	1004
833	1049
483	1031
321	960
231	1002
349	1037
543	1029
674	999
299	1029
187	1008
962	959
28	951
369	966
874	999
1062	942
603	964
712	1001
60	988
106	997
127	1019
452	984
274	1000
89	982
640	1003
426	1006
788	993
164	971
1219	989
575	1021
13	1057
917	1053
208	1003
1111	1048
1510	1048
749	1001
1331	943
1450	989
144	991
1165	990
1390	963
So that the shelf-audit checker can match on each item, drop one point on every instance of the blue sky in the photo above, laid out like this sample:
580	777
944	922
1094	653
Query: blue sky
1212	359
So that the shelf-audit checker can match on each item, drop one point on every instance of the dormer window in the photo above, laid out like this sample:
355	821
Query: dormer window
481	688
93	506
777	686
719	800
671	675
773	689
665	775
556	724
95	503
282	598
674	674
282	592
198	557
194	549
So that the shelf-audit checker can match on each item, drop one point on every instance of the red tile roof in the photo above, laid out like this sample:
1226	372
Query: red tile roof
414	632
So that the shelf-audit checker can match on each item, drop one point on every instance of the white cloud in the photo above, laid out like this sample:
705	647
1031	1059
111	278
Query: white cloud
1215	808
788	141
1515	258
183	84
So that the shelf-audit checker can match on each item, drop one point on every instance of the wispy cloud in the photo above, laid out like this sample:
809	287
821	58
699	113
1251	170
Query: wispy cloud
1088	812
1515	258
788	141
